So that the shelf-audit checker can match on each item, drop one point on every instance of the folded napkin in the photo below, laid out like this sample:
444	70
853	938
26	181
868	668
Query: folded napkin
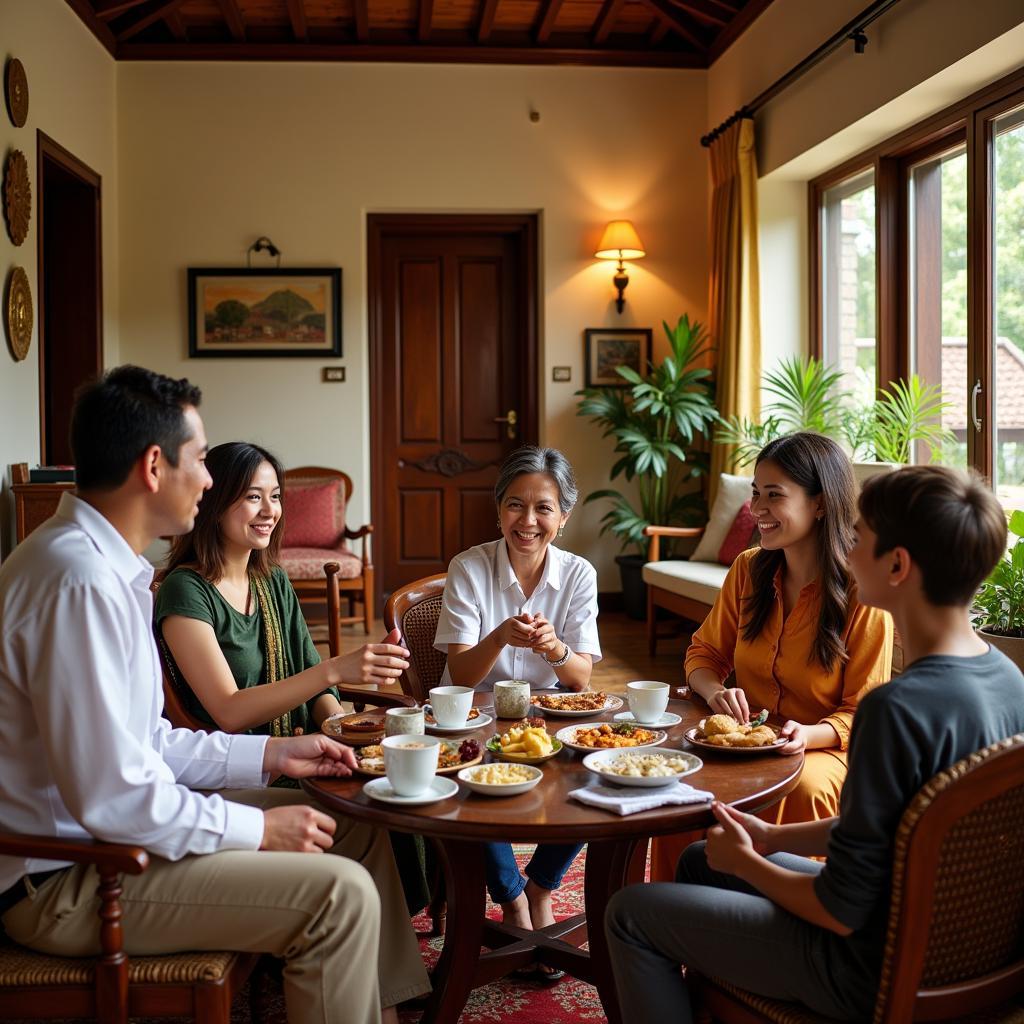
630	801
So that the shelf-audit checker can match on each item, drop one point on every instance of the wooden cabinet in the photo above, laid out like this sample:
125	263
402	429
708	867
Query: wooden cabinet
33	503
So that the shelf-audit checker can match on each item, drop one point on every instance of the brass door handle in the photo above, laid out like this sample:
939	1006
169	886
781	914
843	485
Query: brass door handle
510	420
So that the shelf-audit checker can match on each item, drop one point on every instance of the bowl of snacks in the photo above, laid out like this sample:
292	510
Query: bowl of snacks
610	736
501	779
724	734
525	744
642	767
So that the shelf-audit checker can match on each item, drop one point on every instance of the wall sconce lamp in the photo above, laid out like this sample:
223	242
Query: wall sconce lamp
263	244
620	242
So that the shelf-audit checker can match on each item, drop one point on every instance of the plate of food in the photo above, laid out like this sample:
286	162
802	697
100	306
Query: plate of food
476	719
725	734
501	779
575	704
355	730
526	742
451	757
642	767
610	736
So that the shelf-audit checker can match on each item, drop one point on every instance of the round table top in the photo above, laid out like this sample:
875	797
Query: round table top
546	813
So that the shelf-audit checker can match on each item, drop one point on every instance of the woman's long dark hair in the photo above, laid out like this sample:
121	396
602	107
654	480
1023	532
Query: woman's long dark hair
820	467
232	466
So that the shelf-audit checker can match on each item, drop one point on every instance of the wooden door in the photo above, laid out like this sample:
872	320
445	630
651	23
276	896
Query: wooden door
453	352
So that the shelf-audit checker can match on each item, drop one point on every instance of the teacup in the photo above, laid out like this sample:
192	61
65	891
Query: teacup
512	698
451	705
403	722
410	762
648	700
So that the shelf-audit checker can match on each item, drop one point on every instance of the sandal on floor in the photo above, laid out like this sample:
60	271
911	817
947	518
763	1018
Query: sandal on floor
550	975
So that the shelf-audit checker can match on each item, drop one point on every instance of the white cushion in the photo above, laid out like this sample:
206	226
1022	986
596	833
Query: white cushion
700	581
733	491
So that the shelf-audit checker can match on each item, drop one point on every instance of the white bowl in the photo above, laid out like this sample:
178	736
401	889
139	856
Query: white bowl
601	757
500	789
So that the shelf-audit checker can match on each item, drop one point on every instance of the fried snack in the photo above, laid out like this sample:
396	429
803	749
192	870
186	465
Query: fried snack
743	736
765	735
533	741
604	737
586	701
719	725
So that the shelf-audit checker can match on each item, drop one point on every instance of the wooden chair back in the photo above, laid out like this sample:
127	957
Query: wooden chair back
414	610
300	476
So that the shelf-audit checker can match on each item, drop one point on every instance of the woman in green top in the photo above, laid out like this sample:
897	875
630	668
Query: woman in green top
229	620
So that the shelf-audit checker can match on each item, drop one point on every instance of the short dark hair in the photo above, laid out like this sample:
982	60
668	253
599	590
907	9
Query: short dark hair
120	414
232	466
948	520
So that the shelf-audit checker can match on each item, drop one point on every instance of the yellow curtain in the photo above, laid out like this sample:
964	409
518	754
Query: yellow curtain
733	301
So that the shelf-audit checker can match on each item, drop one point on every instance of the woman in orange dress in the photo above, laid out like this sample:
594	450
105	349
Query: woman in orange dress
788	624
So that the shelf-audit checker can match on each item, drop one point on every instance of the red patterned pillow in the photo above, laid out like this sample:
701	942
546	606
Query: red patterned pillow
737	540
315	516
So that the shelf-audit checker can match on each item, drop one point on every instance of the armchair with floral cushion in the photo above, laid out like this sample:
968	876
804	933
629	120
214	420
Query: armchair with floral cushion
315	533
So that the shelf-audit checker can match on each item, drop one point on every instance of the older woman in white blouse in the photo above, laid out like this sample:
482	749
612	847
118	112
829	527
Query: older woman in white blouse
521	608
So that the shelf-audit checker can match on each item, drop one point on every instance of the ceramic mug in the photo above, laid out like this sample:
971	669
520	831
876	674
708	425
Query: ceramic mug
648	700
512	698
403	722
451	705
410	762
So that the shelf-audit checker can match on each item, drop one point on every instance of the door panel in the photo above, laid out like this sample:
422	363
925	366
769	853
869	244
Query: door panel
452	350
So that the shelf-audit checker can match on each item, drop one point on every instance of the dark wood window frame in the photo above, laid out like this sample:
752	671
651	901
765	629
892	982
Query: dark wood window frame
966	123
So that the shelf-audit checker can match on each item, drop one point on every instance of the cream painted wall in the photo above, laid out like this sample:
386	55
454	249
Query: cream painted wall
211	156
72	84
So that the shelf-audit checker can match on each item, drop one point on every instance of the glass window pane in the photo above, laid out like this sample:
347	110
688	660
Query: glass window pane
848	282
1008	307
937	300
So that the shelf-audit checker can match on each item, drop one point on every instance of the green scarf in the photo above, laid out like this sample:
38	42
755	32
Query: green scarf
275	658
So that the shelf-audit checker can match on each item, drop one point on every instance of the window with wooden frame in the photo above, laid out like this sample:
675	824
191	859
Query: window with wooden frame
917	266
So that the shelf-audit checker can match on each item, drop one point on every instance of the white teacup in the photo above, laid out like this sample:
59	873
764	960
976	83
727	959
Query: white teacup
403	722
648	700
410	762
451	705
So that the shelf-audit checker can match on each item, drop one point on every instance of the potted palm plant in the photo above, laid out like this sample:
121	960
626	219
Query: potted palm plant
999	604
655	421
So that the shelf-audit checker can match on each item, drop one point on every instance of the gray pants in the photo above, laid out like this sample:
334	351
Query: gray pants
722	927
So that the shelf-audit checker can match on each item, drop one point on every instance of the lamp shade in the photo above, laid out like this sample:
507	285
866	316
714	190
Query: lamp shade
620	242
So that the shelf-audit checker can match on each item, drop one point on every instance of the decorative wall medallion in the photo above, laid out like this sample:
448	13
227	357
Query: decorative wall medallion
18	314
16	87
17	196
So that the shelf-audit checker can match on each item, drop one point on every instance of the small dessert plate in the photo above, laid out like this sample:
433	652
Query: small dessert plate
440	789
502	788
471	726
667	720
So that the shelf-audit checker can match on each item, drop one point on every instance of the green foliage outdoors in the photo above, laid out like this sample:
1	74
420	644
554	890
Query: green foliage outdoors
999	605
656	423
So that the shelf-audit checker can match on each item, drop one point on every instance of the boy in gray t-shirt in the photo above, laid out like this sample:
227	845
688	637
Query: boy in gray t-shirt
753	909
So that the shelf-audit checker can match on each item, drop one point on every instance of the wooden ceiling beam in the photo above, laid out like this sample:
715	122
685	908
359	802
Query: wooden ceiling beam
745	17
87	15
488	9
705	11
362	14
107	9
426	20
157	11
549	16
297	14
233	16
674	17
660	30
606	20
177	26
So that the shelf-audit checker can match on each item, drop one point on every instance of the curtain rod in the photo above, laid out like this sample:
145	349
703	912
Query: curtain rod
852	30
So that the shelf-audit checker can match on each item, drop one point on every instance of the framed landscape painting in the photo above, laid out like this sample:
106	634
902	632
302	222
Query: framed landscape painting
610	347
275	312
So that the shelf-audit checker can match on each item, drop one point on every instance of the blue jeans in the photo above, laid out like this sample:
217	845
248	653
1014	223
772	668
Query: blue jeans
549	863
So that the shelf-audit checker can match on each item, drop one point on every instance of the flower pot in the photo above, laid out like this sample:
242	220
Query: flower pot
1011	646
634	590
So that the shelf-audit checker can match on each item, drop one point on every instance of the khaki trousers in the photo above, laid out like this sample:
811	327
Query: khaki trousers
338	922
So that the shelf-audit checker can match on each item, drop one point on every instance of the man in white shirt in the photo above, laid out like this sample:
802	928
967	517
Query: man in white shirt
84	752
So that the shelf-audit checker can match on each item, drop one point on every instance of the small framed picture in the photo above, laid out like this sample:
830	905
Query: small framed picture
241	312
608	348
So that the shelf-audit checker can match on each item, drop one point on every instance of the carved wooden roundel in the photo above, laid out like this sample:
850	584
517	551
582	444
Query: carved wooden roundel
18	313
16	87
17	196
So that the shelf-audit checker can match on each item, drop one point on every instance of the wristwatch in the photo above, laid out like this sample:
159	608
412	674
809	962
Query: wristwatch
567	654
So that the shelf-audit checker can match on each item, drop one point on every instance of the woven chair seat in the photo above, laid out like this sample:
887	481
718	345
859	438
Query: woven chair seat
773	1009
21	967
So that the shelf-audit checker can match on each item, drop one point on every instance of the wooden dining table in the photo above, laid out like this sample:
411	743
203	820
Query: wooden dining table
615	856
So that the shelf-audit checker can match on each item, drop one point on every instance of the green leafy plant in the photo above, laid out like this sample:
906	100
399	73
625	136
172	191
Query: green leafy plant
906	412
999	604
655	422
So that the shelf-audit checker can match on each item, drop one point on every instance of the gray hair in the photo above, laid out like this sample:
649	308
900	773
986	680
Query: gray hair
531	459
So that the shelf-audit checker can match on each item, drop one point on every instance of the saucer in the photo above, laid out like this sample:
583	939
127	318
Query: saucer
667	720
471	726
440	789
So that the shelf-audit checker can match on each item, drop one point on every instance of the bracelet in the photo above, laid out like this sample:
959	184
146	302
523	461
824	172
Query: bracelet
562	660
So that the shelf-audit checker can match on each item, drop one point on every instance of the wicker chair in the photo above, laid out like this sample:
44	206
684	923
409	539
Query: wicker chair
414	610
953	949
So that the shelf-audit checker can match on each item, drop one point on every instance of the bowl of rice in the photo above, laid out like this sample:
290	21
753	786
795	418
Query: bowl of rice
642	767
501	778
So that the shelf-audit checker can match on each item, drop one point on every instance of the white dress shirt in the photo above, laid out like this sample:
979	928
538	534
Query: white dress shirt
482	591
83	749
